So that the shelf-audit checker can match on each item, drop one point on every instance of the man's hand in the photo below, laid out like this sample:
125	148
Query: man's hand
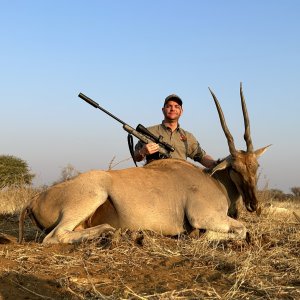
148	149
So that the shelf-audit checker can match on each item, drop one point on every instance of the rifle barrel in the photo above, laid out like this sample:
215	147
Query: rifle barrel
144	136
96	105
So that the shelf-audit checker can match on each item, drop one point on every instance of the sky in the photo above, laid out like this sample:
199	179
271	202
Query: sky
128	56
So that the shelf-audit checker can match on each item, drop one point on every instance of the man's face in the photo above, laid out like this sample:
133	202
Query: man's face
172	111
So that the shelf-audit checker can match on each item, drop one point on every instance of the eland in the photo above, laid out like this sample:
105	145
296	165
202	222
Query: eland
168	196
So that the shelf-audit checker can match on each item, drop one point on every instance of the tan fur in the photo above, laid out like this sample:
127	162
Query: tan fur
157	197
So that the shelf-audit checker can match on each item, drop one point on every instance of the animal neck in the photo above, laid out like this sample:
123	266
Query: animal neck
230	190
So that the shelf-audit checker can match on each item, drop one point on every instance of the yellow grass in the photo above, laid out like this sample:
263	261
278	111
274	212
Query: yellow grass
13	199
145	265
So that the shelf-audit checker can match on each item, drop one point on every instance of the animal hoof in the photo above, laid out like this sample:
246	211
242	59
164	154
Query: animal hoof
116	237
138	238
195	234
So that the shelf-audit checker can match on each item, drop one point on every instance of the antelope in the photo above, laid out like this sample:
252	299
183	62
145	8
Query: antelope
168	196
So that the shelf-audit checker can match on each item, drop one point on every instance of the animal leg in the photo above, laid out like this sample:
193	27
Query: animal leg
236	231
229	227
71	217
237	228
66	235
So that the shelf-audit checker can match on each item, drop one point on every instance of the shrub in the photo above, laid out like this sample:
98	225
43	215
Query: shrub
67	173
14	172
296	191
277	194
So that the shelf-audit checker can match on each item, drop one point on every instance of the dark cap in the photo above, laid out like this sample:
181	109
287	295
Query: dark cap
174	98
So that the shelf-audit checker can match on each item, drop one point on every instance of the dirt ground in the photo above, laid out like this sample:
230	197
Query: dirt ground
144	265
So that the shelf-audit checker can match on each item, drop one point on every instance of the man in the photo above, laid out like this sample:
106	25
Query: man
184	142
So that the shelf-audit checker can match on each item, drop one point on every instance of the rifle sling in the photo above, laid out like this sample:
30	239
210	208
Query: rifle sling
130	146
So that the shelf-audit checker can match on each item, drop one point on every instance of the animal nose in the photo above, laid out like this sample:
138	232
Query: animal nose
252	201
252	207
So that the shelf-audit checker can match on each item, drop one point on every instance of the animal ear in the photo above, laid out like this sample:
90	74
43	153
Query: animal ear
261	151
222	165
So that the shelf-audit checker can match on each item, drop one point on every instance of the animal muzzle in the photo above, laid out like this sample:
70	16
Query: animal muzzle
251	206
251	203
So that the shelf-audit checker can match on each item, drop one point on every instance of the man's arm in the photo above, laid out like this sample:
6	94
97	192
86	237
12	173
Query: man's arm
208	162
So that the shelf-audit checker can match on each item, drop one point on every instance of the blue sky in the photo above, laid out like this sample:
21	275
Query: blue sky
128	56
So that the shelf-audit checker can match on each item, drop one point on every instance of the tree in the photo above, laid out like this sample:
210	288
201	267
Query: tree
276	194
14	172
296	191
67	173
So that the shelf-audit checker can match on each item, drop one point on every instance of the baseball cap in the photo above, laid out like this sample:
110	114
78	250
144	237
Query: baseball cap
173	97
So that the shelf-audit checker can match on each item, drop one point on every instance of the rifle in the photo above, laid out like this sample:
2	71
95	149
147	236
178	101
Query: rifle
142	133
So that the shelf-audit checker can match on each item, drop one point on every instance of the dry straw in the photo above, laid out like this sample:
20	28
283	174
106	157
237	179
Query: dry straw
147	265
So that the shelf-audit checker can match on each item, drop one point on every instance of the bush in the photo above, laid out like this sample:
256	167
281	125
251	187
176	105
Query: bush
296	191
14	172
277	194
67	173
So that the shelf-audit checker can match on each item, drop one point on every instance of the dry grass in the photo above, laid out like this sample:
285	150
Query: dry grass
144	265
13	199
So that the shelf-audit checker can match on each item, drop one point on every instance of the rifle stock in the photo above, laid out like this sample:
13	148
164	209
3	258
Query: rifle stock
142	129
145	139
